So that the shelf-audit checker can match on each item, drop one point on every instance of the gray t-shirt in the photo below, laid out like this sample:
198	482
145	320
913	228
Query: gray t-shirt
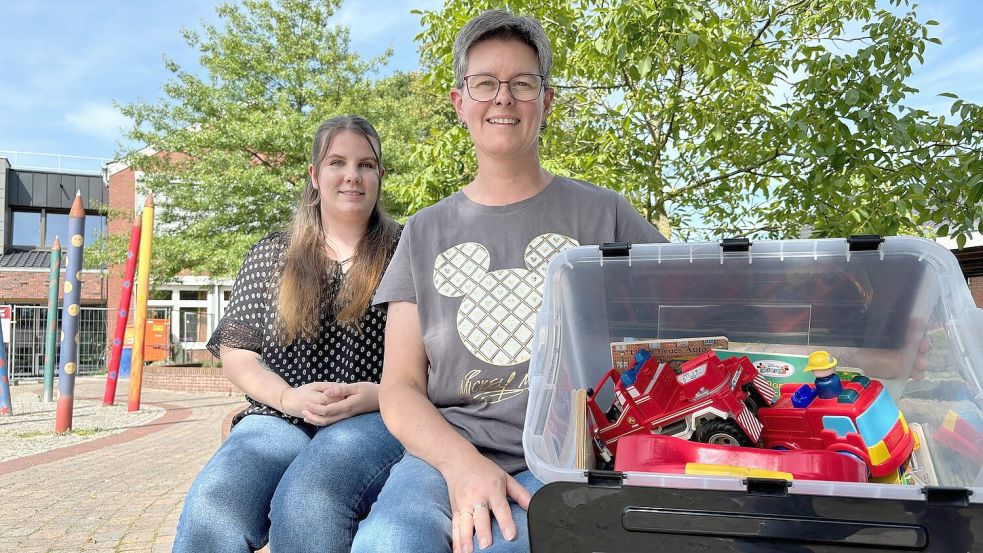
476	273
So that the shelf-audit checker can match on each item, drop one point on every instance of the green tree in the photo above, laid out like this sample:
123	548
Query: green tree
740	117
235	138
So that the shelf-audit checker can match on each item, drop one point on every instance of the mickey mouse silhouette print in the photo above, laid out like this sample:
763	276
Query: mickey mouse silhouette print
497	317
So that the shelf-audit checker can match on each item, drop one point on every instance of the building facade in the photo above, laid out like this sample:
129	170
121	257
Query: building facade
192	304
36	193
34	203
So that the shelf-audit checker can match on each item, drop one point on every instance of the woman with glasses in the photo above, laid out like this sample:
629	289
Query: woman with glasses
463	290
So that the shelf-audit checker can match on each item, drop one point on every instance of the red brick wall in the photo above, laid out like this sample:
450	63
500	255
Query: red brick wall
199	355
188	379
976	288
32	287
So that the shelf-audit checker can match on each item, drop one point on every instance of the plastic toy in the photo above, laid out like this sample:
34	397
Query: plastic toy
821	365
706	399
860	420
962	434
665	454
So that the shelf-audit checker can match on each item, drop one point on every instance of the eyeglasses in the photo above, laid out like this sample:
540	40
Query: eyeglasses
524	87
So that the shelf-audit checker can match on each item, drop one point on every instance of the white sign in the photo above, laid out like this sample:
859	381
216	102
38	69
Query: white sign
6	312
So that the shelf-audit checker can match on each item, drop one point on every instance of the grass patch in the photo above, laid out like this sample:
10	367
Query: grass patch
32	434
82	432
85	432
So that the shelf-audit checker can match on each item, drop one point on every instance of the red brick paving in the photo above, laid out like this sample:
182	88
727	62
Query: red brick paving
119	493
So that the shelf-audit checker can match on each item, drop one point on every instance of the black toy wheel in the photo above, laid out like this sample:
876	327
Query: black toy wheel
754	397
721	432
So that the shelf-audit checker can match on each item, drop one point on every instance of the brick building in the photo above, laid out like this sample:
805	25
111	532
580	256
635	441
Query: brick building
193	304
971	262
35	199
36	193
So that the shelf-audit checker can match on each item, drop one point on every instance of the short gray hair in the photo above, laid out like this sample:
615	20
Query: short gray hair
500	24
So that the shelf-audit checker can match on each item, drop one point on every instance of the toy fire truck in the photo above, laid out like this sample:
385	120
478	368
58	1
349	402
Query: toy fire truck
704	398
861	420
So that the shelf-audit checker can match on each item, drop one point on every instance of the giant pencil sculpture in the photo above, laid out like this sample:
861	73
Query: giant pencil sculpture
6	406
51	330
140	314
68	358
112	373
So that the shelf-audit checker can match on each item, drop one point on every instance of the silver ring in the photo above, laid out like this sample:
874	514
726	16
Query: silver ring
481	505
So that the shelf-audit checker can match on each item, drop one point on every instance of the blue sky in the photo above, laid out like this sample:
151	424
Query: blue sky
64	63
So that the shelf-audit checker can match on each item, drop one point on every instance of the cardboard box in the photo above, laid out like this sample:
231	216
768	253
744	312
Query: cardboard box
663	351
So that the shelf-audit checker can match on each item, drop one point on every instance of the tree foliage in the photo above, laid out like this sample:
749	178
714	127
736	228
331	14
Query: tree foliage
746	117
233	139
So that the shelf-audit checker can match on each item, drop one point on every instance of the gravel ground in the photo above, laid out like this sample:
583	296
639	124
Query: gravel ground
31	429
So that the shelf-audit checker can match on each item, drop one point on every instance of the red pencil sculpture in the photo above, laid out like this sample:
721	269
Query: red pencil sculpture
112	373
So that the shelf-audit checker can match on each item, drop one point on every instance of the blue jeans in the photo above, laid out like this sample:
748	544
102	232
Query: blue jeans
413	513
271	480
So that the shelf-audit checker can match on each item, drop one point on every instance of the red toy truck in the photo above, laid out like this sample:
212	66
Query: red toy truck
706	399
861	420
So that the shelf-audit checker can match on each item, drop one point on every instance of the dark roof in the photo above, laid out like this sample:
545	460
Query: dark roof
25	259
970	261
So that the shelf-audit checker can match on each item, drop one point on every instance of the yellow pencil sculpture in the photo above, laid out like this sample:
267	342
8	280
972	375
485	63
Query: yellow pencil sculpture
140	314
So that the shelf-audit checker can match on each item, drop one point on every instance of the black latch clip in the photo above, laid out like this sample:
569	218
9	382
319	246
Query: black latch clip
767	486
605	479
615	249
945	495
864	242
736	244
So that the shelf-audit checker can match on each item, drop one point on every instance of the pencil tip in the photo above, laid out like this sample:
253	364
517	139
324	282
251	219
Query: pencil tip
78	210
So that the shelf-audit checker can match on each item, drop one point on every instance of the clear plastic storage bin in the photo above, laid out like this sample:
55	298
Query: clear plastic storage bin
898	309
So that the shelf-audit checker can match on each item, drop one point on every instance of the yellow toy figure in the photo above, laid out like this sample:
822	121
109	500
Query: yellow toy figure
821	365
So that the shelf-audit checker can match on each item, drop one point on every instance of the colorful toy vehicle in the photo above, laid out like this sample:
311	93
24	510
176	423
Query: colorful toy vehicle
861	420
668	455
962	433
706	399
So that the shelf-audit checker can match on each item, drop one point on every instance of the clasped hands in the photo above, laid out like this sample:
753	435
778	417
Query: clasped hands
324	403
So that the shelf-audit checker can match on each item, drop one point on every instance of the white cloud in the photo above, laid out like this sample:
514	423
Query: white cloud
101	120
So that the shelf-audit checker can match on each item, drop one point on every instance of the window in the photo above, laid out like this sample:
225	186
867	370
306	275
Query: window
36	229
27	229
95	226
159	313
226	295
56	224
194	324
194	295
160	295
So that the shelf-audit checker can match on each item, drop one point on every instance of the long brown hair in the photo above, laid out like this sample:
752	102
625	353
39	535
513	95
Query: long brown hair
305	279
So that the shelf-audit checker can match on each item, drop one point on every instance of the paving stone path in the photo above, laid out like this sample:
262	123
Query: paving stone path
117	493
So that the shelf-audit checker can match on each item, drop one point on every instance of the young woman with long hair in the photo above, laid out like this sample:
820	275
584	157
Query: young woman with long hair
304	462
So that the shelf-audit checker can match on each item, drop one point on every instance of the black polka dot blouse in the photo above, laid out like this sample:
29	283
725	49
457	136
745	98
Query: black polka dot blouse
339	354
